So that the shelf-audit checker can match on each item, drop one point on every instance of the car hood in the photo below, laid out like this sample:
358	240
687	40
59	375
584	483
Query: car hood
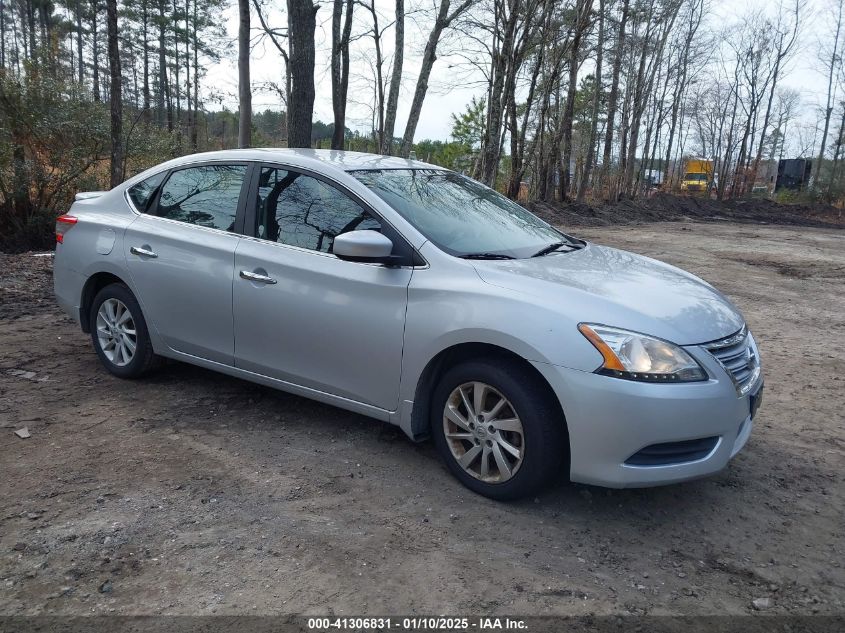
598	284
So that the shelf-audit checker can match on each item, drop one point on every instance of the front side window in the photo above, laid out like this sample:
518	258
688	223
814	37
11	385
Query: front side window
205	196
302	211
461	216
141	193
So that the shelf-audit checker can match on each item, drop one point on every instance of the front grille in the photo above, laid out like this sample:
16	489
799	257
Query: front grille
738	356
670	453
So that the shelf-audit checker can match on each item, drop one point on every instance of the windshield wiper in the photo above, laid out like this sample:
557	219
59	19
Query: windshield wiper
553	247
485	256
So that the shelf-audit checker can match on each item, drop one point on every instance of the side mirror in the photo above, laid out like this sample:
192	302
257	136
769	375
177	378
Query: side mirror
363	246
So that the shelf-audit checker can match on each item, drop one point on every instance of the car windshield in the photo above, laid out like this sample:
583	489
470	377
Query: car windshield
697	177
463	217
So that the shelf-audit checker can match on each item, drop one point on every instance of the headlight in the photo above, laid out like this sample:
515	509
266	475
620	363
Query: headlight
636	356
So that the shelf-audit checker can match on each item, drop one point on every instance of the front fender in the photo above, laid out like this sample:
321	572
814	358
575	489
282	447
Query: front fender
454	306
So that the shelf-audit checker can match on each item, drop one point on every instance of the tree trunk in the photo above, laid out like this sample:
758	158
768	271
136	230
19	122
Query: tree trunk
644	94
582	21
591	149
302	22
834	60
340	69
395	79
2	34
495	107
146	54
163	82
723	181
783	51
443	20
429	56
519	132
834	168
195	125
244	89
679	90
379	86
177	86
188	114
80	61
30	15
115	95
613	98
95	48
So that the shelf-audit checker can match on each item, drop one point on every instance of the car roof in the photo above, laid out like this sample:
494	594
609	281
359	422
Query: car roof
314	158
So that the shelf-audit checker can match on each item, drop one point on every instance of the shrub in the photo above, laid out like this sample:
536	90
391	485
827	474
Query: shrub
52	138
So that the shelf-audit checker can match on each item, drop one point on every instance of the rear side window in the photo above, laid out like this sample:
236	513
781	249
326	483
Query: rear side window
206	196
141	194
302	211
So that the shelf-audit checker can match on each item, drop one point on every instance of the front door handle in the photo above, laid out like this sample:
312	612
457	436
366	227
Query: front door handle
263	279
143	252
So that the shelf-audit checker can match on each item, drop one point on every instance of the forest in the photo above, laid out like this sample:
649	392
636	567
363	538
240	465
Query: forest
577	99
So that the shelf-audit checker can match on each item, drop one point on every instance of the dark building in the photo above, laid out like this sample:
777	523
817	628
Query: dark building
793	173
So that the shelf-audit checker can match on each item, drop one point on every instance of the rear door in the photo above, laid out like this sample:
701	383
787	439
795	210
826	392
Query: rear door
306	317
180	254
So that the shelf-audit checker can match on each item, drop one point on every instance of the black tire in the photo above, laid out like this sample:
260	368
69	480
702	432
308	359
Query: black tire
544	428
144	358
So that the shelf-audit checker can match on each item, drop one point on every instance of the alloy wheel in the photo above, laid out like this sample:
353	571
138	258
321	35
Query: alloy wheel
116	332
483	432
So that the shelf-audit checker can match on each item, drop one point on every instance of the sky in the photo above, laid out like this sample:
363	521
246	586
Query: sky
453	83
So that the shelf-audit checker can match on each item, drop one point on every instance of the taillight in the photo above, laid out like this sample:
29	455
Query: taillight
63	225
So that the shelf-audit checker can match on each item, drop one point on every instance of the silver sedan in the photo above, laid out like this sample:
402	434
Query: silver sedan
414	295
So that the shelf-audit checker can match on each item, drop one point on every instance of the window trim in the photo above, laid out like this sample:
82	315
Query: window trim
240	213
415	259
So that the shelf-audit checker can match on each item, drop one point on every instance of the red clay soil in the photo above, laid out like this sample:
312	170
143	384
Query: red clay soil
665	207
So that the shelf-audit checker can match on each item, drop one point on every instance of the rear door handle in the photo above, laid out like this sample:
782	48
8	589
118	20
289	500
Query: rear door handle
143	252
263	279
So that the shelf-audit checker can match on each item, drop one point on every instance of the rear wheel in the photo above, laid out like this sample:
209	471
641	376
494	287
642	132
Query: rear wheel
498	429
120	334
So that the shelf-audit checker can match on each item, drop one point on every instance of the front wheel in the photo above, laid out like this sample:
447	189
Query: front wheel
498	429
119	332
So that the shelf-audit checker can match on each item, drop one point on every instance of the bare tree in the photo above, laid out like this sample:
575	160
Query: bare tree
613	97
340	67
583	9
832	62
518	130
115	95
597	97
786	29
244	87
512	32
302	21
378	67
395	78
443	20
687	50
276	36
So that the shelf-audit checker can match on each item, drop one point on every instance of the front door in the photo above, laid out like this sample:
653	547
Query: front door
181	257
304	316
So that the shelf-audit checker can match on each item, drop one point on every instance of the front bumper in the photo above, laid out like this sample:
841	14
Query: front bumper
610	420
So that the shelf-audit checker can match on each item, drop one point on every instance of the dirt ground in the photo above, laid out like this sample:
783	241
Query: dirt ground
666	207
192	493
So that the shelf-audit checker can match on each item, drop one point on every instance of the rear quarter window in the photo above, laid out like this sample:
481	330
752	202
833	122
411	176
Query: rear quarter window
141	194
